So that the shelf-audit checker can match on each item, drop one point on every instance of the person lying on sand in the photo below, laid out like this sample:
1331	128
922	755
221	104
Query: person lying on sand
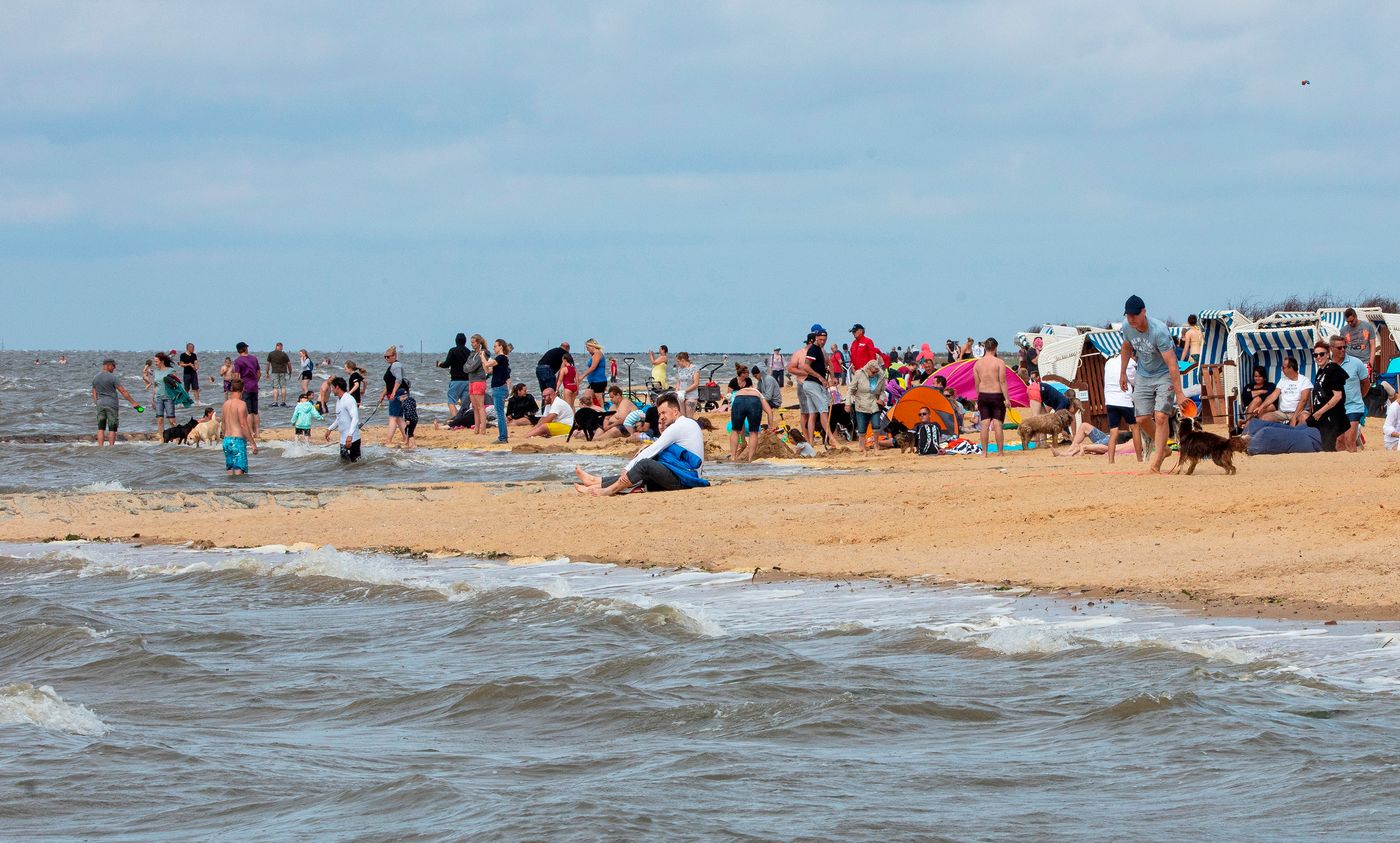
669	464
1090	440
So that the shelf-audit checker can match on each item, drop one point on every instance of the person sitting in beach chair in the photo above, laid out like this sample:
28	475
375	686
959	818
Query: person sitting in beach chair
671	463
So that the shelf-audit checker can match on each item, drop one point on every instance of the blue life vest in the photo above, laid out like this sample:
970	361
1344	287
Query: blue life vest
684	464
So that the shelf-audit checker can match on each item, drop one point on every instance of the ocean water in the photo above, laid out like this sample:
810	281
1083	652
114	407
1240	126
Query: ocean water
164	693
47	425
52	400
134	466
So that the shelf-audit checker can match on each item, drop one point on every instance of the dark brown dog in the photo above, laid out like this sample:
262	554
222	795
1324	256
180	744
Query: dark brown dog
1194	445
900	436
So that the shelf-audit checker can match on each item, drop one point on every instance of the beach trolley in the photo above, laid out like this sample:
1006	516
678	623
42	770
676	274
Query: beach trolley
1218	375
1277	336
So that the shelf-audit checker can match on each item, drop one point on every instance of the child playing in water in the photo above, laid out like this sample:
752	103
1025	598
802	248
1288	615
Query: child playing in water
304	414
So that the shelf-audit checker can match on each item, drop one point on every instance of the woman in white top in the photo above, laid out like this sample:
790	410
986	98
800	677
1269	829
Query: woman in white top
1391	429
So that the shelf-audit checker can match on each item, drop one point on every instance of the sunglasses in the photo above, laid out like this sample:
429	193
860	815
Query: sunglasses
923	414
1319	354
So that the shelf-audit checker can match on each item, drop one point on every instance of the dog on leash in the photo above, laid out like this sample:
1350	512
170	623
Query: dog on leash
587	421
1051	425
1194	445
179	432
208	430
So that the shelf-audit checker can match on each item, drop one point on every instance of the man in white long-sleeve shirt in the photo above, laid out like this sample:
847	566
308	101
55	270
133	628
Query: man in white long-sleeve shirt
670	463
347	421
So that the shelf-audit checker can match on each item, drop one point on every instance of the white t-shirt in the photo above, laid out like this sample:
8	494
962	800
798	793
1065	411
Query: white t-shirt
684	432
1112	395
1289	391
563	413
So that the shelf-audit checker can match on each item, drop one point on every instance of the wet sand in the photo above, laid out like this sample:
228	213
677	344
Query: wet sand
1299	535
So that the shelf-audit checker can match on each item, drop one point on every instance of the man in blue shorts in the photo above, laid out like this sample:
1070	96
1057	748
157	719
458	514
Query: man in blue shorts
1354	390
1158	388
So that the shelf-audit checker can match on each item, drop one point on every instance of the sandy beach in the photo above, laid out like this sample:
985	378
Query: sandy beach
1300	535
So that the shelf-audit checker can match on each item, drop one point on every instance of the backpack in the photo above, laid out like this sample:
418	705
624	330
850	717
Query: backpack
926	435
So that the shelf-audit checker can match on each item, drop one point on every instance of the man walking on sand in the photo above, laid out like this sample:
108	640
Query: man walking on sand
989	373
1158	387
235	421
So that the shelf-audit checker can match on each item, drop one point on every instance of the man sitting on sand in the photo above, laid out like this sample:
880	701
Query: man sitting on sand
624	418
670	463
558	418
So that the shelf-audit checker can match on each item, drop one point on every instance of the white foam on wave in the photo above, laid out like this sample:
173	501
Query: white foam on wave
104	486
1350	655
41	706
282	561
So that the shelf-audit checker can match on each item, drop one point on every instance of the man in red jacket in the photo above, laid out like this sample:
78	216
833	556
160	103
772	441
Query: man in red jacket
863	350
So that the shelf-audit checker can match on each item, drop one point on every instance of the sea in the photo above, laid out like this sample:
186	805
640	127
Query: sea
168	693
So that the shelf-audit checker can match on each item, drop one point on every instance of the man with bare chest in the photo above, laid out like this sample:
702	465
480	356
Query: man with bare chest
235	421
989	373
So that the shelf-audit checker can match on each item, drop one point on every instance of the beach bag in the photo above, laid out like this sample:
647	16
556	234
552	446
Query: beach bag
926	439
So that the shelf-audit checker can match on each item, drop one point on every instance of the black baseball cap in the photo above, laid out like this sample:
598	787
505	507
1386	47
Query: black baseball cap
1134	305
857	327
243	346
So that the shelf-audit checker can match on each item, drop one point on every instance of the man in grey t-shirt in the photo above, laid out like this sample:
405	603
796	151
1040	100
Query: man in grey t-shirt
1360	336
1158	386
105	388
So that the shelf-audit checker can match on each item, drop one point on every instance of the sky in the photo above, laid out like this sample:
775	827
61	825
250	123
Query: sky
711	175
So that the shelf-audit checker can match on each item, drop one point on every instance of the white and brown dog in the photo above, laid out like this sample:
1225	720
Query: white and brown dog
209	430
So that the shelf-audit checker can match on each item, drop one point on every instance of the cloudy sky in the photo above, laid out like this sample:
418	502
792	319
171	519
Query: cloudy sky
712	175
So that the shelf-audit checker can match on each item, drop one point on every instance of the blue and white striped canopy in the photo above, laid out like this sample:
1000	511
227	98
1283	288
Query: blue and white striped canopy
1332	318
1109	342
1268	347
1229	317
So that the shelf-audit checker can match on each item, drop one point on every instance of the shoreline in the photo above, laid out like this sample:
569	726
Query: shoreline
1067	527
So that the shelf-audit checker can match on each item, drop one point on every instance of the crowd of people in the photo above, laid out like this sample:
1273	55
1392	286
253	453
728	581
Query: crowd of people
1142	390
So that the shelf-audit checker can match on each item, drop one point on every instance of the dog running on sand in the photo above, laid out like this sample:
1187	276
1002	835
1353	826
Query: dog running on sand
1194	445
